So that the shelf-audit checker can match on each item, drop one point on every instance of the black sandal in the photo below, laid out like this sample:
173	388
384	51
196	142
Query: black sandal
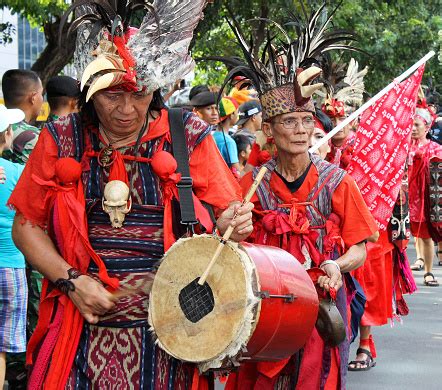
440	261
365	365
430	283
418	265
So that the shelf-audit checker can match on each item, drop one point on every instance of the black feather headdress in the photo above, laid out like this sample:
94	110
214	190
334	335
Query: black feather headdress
285	68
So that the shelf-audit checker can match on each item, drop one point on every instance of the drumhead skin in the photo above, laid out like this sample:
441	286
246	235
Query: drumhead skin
228	325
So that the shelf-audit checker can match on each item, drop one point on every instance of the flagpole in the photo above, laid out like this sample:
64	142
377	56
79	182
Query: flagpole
361	109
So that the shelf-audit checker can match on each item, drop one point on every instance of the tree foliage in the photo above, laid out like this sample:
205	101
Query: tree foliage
395	33
7	30
46	14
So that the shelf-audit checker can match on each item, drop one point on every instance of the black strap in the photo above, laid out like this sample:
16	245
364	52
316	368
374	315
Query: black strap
180	152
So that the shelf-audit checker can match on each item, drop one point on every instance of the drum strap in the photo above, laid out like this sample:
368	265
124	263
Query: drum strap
181	154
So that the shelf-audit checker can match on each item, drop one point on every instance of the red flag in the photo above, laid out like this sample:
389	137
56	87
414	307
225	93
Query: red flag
382	145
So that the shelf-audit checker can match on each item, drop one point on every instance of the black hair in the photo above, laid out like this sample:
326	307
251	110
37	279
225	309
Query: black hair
58	102
87	108
242	141
16	84
324	119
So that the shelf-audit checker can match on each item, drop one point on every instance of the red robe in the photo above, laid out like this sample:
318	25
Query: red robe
356	224
418	179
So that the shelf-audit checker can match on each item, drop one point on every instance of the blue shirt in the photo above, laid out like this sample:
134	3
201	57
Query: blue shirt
227	147
10	256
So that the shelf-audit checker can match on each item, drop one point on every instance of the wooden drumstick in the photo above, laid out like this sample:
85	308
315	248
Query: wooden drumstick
229	230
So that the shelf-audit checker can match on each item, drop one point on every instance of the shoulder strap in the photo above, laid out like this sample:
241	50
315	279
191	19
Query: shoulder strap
181	154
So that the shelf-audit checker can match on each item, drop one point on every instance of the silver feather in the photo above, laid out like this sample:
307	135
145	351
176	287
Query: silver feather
353	93
160	48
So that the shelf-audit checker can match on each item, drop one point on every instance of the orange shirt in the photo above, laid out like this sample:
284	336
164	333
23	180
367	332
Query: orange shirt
356	222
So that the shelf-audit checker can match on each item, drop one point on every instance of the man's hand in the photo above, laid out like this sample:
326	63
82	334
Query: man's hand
91	298
333	278
242	224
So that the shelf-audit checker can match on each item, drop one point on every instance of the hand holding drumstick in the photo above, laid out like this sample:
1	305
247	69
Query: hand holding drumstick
236	223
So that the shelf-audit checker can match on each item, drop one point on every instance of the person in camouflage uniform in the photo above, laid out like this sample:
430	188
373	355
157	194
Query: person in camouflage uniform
23	89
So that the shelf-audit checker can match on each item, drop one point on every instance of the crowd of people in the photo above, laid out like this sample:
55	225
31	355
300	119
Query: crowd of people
90	202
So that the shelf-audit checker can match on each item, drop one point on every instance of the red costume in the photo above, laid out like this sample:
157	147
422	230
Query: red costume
421	153
324	217
61	191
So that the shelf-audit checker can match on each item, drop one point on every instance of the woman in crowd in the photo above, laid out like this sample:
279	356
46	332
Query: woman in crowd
13	287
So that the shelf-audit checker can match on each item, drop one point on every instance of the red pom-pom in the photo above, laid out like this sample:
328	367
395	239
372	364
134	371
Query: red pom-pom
163	164
67	170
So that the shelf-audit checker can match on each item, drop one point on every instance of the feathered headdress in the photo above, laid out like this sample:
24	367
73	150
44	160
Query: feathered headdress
109	52
284	73
344	94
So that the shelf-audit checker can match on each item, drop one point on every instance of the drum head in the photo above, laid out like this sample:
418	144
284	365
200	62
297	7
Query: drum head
228	326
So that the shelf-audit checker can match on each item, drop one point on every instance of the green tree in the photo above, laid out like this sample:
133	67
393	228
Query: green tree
46	14
395	34
6	32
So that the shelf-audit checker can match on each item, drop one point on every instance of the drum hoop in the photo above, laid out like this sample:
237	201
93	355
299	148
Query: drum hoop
251	317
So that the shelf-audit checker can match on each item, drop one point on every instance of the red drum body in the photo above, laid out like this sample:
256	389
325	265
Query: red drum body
287	319
263	307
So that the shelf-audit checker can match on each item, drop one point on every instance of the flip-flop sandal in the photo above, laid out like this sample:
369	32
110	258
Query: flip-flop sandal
418	265
430	283
364	365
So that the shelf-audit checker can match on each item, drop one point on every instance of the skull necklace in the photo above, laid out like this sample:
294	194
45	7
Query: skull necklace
117	200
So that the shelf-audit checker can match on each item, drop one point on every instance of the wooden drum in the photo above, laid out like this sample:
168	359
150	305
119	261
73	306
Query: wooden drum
264	304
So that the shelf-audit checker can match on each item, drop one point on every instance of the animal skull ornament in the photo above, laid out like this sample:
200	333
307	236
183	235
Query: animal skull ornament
116	202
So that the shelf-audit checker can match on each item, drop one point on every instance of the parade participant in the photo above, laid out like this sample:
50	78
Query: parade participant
103	184
62	93
323	125
204	105
250	119
304	205
13	287
228	112
22	89
342	99
421	152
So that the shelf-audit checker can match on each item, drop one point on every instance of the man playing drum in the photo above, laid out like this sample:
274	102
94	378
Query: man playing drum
114	157
306	206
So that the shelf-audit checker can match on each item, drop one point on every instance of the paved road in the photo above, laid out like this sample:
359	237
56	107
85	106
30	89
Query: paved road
409	354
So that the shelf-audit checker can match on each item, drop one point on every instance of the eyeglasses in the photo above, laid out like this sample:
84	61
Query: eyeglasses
290	123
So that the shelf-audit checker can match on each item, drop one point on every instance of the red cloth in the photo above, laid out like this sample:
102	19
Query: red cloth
39	189
380	149
420	229
355	225
66	198
376	279
355	221
418	178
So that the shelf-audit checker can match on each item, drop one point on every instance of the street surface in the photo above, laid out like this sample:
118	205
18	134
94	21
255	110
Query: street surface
409	354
